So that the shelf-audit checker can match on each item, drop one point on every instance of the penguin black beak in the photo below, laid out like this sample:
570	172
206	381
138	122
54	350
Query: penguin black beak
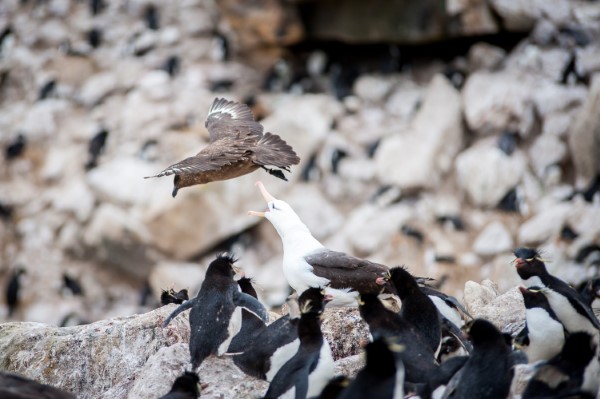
174	193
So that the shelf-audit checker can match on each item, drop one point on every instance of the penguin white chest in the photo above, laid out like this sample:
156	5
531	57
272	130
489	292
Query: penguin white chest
281	356
546	335
234	327
324	371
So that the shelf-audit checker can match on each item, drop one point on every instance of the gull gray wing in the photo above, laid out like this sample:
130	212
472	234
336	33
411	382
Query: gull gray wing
346	271
251	304
231	119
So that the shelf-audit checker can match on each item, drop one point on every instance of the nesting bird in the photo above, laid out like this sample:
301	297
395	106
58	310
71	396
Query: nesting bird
215	317
237	146
307	263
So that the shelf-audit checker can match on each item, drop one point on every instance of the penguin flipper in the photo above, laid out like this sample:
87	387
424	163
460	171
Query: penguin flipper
184	306
251	304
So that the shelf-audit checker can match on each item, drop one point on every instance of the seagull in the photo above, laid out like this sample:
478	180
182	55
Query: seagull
307	263
237	146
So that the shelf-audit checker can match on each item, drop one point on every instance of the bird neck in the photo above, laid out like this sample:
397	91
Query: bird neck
297	238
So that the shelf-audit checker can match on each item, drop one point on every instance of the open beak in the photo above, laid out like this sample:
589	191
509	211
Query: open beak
268	198
519	262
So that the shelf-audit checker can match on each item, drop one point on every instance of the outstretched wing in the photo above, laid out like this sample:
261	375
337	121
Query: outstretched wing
231	119
272	150
212	157
346	271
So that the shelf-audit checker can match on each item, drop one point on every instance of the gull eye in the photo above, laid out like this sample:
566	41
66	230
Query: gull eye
273	206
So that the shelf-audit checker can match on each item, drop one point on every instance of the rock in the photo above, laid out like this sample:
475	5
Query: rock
484	301
155	85
222	376
43	118
470	17
523	373
545	152
587	63
373	88
74	197
485	56
404	99
545	224
97	88
521	15
434	138
494	239
584	137
486	173
370	226
498	101
344	329
103	354
349	366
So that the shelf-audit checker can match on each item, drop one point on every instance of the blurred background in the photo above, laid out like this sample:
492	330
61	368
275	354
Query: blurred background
435	134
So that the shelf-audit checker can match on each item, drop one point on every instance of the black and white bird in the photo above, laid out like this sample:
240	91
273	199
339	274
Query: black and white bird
311	367
567	304
215	317
417	307
383	374
543	335
565	374
307	263
237	146
278	343
184	387
488	373
252	325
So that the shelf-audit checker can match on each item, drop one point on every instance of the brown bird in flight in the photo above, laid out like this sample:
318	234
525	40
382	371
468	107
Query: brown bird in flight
237	146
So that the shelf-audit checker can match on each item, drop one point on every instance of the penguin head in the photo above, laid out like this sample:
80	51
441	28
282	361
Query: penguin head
403	281
313	300
246	286
369	305
187	382
482	332
534	297
222	266
335	386
529	263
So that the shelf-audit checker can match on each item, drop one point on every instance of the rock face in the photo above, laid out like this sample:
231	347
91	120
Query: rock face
483	300
91	359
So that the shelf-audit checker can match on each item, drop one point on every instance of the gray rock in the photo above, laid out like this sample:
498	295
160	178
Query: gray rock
494	239
103	354
584	137
486	173
344	329
545	152
374	88
350	366
97	88
546	223
521	15
485	56
434	138
484	301
496	101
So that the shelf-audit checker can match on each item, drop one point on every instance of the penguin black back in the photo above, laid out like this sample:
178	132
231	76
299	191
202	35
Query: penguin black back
213	317
418	357
184	387
378	379
334	387
417	308
487	373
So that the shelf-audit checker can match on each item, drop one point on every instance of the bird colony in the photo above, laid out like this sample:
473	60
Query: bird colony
353	285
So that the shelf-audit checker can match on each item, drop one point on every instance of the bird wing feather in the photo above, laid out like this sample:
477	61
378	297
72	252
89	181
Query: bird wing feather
341	269
272	150
212	157
231	119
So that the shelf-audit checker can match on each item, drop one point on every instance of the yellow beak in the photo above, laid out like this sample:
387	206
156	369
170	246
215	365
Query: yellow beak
268	197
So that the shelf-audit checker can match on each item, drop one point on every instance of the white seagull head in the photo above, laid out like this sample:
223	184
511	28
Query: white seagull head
279	213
